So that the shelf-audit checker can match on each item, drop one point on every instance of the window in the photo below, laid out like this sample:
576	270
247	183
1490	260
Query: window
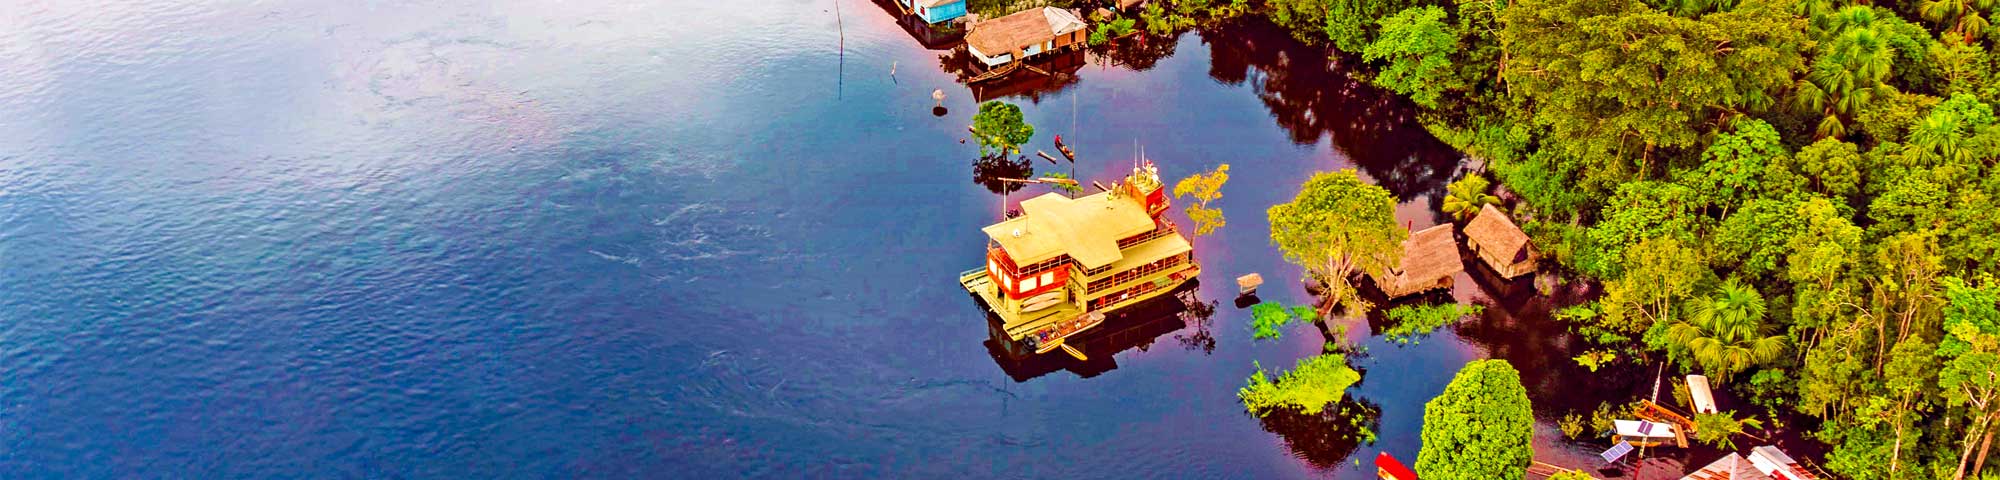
1008	281
1048	278
1029	284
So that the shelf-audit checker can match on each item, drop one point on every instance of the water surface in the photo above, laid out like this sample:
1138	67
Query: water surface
615	239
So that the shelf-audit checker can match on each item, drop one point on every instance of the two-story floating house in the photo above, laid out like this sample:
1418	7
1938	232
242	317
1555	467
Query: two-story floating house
934	11
1024	34
1064	263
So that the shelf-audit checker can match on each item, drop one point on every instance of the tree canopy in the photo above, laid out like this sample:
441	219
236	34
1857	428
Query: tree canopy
1000	128
1336	227
1480	428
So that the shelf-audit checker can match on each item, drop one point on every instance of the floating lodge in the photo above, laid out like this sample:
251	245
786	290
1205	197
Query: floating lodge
1062	264
1000	45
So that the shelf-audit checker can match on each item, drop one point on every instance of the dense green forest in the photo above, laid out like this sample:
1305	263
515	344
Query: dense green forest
1796	198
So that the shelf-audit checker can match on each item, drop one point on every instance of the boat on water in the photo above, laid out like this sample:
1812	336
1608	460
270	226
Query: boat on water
1063	264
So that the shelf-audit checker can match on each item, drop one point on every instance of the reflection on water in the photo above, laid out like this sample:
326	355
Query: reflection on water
1323	441
1133	327
991	171
1138	52
1051	73
934	37
1200	316
1311	93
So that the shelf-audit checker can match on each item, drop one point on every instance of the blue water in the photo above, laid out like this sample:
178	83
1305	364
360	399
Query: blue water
618	239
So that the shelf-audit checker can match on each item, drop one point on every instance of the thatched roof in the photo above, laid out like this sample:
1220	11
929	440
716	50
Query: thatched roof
1428	255
1027	27
1086	228
1732	467
1492	230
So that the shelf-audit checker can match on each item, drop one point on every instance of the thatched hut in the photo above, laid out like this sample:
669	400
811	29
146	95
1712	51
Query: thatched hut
1495	239
1430	258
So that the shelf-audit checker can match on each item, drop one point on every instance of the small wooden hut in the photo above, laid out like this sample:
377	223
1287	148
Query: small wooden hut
1732	467
1430	258
1502	245
1024	34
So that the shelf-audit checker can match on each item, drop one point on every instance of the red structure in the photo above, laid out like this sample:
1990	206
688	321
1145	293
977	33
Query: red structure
1387	468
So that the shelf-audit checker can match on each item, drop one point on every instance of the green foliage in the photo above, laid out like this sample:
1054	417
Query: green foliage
1348	24
1000	128
1266	318
1614	80
1205	187
1640	211
1415	321
1595	359
1072	189
1732	168
1307	388
1725	333
1480	428
1465	197
1114	28
1754	238
1572	426
1336	227
1572	475
1719	429
1416	46
1663	273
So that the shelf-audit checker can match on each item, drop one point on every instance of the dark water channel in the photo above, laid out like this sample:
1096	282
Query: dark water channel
616	239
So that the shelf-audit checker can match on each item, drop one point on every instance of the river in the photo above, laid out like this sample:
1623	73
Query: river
617	239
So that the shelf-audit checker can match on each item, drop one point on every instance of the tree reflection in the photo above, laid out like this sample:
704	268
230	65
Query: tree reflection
1200	315
988	171
1325	440
1311	93
1138	52
1058	72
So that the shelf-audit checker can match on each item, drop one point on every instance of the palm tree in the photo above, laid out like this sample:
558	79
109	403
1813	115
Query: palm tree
1849	72
1463	198
1725	332
1962	15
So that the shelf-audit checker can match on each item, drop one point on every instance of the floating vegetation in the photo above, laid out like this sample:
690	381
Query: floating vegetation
1412	322
1307	388
1267	317
1595	359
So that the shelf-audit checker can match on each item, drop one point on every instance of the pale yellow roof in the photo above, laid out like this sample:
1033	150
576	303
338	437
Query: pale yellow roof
1087	228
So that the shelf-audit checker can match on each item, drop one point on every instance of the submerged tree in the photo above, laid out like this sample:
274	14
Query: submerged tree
1480	428
1307	388
1339	226
999	126
1204	187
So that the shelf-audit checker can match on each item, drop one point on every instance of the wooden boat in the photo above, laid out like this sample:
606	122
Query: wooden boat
1094	255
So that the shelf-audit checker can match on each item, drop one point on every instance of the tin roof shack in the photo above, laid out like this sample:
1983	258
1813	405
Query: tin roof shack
1024	34
1774	462
1647	434
934	11
1503	246
1732	467
1430	258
